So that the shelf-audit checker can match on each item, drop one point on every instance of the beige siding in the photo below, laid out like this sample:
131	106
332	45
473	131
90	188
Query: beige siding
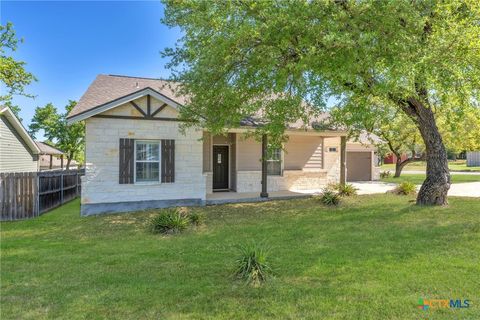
249	153
15	156
303	152
233	161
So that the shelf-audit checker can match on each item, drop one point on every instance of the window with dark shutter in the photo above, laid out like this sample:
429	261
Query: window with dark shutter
126	157
168	161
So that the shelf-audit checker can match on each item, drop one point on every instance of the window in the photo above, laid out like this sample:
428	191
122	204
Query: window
147	161
274	163
332	149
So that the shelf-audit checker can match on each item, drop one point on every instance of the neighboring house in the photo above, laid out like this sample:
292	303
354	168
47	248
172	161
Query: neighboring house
473	158
391	158
18	151
50	157
137	157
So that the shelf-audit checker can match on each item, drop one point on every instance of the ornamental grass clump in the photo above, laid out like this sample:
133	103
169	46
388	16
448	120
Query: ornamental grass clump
169	221
405	188
346	190
196	218
252	264
329	197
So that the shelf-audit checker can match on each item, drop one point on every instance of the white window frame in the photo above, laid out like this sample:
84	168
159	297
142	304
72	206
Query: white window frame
159	142
281	164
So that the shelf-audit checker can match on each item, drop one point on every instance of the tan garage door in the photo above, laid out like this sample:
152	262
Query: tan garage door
359	166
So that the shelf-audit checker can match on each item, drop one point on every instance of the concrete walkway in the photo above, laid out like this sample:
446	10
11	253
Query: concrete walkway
473	173
468	189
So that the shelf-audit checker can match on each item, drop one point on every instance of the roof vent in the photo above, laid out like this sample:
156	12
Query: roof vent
136	85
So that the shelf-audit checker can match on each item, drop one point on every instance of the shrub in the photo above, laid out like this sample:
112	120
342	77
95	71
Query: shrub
405	188
346	190
252	264
196	218
385	174
169	221
329	197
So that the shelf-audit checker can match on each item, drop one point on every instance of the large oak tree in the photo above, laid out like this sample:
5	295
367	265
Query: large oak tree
239	57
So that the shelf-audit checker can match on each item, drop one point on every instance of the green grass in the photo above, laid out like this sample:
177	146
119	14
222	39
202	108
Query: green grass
458	165
419	178
372	257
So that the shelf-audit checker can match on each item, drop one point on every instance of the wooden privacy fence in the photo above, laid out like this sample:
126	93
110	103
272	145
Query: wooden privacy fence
26	195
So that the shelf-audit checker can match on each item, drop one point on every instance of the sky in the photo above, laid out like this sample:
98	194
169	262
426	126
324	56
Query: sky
67	44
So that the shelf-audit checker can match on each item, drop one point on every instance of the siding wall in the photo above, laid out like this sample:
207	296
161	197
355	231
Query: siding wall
473	159
101	182
15	156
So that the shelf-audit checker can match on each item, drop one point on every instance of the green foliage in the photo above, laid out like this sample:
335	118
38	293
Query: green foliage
68	138
346	190
196	218
329	197
385	174
13	75
252	264
405	188
168	221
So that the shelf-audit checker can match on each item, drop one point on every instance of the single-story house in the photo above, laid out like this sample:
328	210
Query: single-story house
50	157
137	157
18	151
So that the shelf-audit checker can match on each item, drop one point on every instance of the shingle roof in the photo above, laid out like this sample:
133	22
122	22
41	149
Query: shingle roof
48	149
106	88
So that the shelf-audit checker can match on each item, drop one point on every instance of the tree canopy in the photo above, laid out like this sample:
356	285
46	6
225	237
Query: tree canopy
13	76
68	138
238	58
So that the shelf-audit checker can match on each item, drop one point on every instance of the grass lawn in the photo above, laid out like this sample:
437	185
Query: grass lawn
371	258
419	178
458	165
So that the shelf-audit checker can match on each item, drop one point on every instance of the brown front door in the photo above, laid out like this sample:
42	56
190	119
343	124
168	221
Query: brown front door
220	167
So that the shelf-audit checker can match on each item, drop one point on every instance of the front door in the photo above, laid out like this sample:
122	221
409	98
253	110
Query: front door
220	167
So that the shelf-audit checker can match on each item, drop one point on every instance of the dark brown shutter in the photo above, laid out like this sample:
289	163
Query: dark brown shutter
168	160
126	154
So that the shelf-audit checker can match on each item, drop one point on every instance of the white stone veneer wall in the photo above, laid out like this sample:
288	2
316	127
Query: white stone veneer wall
101	182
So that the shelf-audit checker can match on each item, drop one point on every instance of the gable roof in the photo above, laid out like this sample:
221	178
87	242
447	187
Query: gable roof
48	149
19	129
109	91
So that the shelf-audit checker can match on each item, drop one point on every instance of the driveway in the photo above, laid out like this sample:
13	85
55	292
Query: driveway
468	189
471	173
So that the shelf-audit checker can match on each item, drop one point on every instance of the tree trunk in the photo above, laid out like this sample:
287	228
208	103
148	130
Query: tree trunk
398	167
435	187
68	163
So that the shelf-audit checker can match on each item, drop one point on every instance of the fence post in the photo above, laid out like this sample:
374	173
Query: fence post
36	194
76	183
61	188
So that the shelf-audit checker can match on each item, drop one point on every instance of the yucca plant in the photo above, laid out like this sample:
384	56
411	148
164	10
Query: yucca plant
171	220
385	174
252	264
196	218
406	188
329	197
346	190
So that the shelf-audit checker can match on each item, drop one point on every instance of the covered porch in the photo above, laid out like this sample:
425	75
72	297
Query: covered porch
237	168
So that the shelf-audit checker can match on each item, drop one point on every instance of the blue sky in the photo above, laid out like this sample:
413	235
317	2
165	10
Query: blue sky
66	44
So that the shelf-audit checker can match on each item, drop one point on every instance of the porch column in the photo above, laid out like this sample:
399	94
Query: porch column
343	160
51	161
61	161
264	193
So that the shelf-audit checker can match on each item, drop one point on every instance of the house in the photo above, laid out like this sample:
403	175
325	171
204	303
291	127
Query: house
473	158
50	157
18	151
138	158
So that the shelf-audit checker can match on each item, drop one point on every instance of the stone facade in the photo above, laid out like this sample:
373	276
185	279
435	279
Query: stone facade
101	185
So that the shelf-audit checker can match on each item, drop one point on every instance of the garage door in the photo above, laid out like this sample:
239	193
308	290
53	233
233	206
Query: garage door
359	166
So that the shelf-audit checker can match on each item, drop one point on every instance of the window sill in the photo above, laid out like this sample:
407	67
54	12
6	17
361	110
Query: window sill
147	183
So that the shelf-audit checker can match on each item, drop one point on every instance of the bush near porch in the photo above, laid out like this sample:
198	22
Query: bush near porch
372	257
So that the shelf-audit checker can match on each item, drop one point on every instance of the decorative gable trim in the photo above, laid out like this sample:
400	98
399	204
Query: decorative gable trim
122	100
